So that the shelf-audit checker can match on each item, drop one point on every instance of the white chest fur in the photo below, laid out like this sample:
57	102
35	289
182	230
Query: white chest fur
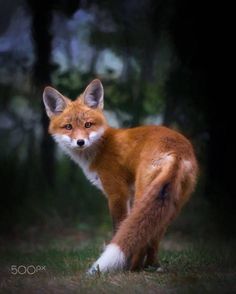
91	175
84	163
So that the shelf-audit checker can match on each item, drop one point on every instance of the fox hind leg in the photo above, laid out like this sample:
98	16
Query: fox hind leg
137	260
152	252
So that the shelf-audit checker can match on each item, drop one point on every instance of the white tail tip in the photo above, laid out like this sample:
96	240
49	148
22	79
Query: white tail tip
112	259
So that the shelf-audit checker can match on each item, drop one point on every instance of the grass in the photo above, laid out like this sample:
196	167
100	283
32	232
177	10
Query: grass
188	267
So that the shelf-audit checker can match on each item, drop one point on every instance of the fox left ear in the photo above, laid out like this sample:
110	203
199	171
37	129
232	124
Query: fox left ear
93	94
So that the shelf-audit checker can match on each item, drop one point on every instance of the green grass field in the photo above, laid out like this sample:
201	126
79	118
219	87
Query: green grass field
63	257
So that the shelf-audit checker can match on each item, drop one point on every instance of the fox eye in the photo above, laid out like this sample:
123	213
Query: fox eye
87	124
68	126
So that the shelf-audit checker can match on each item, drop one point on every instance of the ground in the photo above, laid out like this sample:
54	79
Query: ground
56	262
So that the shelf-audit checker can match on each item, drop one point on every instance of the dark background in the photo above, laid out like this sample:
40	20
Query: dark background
157	61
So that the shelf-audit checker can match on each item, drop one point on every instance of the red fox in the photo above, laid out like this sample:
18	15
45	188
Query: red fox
151	167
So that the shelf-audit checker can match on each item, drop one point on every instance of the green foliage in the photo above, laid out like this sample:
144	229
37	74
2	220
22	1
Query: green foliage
70	83
154	100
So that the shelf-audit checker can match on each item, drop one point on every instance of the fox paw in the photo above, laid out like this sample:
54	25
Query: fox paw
94	271
154	268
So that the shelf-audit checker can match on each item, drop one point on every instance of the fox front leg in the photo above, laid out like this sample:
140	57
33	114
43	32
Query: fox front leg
118	196
118	210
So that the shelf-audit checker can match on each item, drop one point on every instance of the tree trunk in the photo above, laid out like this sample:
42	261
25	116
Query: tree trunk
41	24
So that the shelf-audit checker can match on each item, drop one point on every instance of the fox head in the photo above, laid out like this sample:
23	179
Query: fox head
77	124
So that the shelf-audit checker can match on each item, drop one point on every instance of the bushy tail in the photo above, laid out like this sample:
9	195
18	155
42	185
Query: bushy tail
148	217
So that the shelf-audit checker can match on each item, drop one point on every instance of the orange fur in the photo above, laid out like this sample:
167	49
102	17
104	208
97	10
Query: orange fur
154	165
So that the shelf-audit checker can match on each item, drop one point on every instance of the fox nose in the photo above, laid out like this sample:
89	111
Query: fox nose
80	142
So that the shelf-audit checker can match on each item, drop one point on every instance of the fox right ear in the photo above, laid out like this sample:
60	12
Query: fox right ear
93	94
54	101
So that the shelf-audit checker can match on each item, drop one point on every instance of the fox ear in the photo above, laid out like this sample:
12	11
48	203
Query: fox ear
54	101
93	94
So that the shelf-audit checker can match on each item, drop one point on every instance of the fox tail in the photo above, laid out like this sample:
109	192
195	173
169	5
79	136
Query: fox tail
149	215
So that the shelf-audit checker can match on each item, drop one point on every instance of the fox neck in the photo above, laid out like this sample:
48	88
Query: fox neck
84	158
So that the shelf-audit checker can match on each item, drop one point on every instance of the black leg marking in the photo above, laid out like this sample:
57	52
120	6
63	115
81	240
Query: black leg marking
163	194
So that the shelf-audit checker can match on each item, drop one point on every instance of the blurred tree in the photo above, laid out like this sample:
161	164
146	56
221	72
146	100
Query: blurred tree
193	84
42	14
41	23
7	9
